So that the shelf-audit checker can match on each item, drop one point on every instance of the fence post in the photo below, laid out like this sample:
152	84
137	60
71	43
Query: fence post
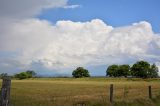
150	91
5	92
111	93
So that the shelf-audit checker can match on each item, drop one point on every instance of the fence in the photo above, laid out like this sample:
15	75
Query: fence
5	92
111	90
111	94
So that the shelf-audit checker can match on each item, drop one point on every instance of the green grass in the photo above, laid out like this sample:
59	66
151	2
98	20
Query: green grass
84	91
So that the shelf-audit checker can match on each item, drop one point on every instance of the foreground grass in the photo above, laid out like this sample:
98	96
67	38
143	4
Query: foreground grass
84	91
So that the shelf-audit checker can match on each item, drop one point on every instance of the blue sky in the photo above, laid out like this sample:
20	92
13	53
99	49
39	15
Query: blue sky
113	12
54	37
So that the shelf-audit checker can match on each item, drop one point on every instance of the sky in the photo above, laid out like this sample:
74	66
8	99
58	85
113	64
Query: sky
53	37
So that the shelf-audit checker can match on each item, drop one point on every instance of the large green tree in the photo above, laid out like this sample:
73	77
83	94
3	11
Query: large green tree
118	70
140	69
80	72
123	70
112	70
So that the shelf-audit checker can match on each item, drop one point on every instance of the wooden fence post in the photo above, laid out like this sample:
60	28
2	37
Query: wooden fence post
5	92
111	93
150	91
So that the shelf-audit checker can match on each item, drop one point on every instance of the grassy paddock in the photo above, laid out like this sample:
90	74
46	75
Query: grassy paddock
87	91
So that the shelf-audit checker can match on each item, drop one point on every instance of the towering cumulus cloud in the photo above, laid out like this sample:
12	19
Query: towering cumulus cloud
30	43
69	44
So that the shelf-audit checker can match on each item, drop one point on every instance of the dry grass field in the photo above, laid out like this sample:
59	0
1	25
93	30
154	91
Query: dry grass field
84	92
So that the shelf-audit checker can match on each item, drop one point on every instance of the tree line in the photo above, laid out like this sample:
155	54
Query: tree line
26	74
140	69
21	75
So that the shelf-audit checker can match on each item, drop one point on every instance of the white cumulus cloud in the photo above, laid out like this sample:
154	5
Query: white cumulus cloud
68	44
29	43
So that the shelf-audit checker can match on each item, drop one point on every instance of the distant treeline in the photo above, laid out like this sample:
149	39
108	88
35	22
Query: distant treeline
140	69
21	75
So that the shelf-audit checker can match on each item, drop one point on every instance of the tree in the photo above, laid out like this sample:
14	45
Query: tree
80	72
30	73
140	69
123	70
22	75
3	75
112	70
118	71
153	72
27	74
